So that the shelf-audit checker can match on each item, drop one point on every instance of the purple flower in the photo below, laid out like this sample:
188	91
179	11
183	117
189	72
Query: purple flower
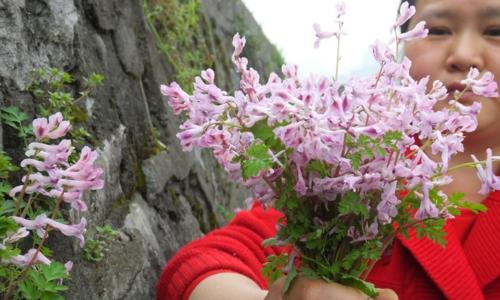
485	86
387	207
75	230
189	135
340	8
208	75
24	260
177	98
290	70
405	13
300	185
40	128
41	221
37	224
240	62
489	181
381	52
447	145
427	208
418	32
320	35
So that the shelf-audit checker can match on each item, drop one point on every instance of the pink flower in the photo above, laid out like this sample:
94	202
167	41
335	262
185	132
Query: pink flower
405	13
489	181
54	128
37	224
290	70
340	7
387	207
300	185
24	260
41	221
177	98
240	62
189	135
208	75
320	35
381	52
75	230
418	32
40	128
427	208
485	86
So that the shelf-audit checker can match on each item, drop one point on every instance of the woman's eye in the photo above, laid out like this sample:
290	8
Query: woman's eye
439	31
494	31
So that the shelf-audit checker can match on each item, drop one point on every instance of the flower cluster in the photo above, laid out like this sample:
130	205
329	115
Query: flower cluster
51	174
337	153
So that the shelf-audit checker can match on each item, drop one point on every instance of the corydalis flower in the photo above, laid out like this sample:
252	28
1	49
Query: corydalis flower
55	176
54	128
405	13
41	221
321	35
489	181
177	98
418	32
485	86
25	260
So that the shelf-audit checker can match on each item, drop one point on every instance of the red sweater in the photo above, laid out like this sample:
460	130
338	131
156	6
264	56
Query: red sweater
468	268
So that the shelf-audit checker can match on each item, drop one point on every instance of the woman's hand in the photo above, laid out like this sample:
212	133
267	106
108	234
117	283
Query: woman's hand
308	289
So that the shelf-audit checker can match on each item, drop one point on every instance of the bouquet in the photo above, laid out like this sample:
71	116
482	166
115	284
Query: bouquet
348	164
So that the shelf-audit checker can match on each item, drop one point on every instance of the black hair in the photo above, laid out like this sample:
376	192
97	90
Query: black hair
404	27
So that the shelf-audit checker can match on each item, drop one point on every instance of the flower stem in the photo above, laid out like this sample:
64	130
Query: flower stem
14	281
21	195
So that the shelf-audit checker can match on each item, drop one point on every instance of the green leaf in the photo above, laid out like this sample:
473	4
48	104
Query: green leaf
7	224
51	296
29	290
37	279
351	203
390	138
272	269
252	167
355	282
9	252
355	159
258	151
269	242
55	270
265	133
319	167
474	207
262	131
259	160
289	279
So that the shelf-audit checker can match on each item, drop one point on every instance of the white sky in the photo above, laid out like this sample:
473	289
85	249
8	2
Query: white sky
288	24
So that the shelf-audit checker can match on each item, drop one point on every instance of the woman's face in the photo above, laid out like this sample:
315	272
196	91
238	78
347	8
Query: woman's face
462	34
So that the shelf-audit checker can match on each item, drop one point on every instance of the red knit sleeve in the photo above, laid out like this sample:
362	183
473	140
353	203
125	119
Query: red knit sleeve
234	248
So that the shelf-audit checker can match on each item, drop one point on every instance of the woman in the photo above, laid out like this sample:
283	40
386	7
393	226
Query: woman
225	264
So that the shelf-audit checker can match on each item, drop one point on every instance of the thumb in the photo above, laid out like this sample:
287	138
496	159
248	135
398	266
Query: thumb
386	294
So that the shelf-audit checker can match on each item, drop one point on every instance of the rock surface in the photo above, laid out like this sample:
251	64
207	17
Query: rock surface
158	201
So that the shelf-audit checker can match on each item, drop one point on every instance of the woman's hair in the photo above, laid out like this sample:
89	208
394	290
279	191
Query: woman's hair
404	27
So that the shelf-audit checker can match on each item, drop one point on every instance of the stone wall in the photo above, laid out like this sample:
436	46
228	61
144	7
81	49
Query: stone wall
157	200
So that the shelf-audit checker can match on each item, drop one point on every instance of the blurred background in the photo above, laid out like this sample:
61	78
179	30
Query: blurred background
288	24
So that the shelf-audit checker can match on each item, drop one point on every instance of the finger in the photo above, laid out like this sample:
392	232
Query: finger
275	290
386	294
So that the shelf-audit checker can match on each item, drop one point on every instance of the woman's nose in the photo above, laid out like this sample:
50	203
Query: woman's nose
465	51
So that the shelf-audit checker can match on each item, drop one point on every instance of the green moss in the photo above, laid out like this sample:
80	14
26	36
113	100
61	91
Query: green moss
178	33
140	178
